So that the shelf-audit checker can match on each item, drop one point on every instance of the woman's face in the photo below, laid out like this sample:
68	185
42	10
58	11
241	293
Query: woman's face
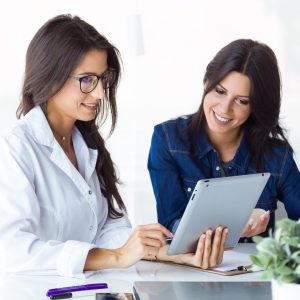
70	103
227	106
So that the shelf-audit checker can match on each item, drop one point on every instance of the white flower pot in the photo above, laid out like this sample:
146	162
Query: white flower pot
285	291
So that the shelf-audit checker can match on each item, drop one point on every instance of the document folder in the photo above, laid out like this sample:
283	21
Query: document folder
234	263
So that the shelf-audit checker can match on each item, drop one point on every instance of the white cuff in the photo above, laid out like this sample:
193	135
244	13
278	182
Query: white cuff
72	259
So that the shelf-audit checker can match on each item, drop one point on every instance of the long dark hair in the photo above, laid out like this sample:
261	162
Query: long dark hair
54	52
259	63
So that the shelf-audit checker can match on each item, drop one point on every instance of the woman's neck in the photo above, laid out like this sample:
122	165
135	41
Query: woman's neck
226	144
62	130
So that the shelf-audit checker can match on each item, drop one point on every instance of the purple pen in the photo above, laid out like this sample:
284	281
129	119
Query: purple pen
76	288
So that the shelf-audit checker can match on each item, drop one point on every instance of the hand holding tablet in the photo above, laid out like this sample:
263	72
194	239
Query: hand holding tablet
257	223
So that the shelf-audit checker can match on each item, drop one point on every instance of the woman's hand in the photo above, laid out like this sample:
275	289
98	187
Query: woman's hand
257	223
145	242
209	252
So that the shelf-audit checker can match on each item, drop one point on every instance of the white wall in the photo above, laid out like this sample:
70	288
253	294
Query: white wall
180	38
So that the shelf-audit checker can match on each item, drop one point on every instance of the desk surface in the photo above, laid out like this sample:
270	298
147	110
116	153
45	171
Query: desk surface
34	287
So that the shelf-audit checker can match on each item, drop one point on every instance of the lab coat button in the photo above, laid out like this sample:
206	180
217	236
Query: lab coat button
90	192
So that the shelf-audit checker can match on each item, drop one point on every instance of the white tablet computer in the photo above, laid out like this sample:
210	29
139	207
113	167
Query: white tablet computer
226	201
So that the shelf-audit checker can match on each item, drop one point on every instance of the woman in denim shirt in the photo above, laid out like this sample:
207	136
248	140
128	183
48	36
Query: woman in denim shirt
235	131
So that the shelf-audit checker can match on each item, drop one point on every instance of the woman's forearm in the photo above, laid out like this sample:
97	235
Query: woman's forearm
99	259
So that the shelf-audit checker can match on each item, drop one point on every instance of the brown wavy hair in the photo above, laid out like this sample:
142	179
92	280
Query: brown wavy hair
52	55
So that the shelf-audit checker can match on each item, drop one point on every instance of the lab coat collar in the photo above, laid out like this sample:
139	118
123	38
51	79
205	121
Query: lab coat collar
41	132
38	127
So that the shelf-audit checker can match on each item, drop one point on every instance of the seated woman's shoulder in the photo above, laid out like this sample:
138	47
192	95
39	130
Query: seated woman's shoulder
177	123
280	150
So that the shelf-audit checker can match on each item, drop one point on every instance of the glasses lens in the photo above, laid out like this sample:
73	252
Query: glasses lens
108	78
88	83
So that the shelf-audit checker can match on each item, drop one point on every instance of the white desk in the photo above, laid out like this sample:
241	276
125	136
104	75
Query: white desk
20	287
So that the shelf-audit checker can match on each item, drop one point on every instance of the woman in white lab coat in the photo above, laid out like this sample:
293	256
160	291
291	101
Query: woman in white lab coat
60	208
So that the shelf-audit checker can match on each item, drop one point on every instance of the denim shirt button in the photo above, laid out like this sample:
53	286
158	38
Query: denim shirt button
189	189
217	168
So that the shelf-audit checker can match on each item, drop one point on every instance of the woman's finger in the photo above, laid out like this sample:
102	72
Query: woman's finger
207	249
157	226
262	223
248	229
216	244
151	242
260	227
200	250
140	231
222	247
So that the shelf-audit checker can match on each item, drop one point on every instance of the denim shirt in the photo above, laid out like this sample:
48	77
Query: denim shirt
174	172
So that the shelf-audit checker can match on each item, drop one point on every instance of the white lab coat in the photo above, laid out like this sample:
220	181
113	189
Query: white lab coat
51	215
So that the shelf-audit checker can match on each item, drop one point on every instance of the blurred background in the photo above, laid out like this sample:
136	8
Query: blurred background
165	47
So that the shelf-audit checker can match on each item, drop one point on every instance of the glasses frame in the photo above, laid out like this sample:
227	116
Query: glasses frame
105	88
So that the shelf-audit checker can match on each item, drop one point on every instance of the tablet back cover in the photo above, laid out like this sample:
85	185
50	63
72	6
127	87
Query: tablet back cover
226	201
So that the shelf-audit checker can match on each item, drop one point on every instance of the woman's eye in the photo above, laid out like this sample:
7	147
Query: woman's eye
219	91
87	79
243	101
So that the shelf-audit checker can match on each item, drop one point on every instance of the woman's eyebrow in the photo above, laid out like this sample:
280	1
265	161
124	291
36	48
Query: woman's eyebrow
87	73
92	73
240	96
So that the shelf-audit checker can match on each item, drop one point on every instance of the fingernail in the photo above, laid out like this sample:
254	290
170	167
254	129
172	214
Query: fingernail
267	212
203	236
251	222
226	230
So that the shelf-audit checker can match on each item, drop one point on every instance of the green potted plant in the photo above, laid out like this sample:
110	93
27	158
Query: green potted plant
279	256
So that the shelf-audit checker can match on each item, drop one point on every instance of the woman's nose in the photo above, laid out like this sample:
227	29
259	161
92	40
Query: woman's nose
98	92
226	105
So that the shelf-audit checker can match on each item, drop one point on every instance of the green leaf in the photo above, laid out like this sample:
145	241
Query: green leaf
284	270
257	239
267	275
277	234
256	261
296	257
292	241
286	278
297	270
287	249
279	254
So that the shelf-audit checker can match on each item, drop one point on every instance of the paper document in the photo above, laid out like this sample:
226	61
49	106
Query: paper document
233	259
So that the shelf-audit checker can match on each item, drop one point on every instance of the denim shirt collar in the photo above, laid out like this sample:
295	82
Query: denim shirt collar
241	158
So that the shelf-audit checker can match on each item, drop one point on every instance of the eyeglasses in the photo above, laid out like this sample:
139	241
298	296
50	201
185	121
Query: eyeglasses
89	82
